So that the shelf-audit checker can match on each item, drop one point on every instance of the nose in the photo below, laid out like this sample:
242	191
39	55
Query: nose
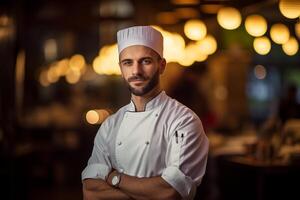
137	68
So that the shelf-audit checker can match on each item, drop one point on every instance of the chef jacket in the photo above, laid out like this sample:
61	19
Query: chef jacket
167	140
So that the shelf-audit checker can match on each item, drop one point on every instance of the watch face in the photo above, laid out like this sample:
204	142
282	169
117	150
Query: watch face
115	180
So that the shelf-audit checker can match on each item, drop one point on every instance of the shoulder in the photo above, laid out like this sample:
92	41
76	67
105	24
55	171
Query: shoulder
178	111
181	118
111	122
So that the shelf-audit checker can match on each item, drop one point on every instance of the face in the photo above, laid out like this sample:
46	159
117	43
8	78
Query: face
141	68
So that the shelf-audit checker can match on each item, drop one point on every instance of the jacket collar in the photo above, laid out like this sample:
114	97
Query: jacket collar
153	103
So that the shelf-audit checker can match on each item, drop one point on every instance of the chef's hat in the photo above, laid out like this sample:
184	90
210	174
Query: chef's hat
140	35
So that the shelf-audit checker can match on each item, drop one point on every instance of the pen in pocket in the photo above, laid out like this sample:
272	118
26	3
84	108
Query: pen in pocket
176	136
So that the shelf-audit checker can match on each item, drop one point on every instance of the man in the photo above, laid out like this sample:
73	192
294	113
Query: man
154	147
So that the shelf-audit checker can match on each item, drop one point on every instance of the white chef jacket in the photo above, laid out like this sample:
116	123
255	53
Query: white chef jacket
167	140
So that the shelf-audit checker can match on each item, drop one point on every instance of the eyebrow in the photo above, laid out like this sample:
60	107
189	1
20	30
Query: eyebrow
143	58
125	60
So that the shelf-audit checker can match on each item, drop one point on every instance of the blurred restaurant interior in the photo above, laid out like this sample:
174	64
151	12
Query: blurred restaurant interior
236	63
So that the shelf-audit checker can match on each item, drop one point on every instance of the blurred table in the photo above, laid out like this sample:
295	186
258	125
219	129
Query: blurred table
242	177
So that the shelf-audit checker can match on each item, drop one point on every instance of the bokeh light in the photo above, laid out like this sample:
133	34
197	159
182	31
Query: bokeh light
107	61
260	72
256	25
291	47
96	116
279	33
92	117
208	45
262	45
290	8
195	29
229	18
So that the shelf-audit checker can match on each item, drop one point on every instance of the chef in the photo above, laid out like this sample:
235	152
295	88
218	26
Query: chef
154	147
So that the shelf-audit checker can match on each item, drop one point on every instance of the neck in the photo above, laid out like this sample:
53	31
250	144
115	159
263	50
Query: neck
141	101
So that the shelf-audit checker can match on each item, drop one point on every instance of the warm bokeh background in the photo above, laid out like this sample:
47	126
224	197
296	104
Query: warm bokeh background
235	63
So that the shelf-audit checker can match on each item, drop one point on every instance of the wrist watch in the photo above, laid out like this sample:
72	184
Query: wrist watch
116	179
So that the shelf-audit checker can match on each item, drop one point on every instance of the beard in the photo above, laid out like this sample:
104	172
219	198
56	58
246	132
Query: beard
153	82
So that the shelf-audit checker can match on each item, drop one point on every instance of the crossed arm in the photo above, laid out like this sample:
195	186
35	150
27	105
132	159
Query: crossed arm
129	188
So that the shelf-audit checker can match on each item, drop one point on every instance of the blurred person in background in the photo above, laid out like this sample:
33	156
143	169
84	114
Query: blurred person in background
189	90
154	147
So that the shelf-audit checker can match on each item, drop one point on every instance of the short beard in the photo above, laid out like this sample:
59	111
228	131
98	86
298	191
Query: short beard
147	88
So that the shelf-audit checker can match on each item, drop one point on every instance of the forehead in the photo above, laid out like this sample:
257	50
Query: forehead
136	52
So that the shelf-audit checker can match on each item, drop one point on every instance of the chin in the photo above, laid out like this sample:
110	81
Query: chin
137	92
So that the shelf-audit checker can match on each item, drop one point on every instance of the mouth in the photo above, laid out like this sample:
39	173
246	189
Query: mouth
137	82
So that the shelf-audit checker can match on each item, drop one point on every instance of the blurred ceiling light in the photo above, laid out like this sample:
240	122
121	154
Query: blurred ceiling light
187	59
262	45
92	117
185	2
256	25
118	8
50	50
62	67
103	114
195	53
186	13
279	33
77	62
208	45
43	79
174	45
195	29
72	76
291	47
97	65
166	18
107	61
210	8
229	18
188	56
172	40
52	75
297	29
260	72
201	57
96	116
290	8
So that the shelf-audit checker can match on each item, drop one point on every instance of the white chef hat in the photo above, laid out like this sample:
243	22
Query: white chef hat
140	35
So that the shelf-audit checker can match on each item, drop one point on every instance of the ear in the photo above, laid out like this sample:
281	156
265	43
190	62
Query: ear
162	66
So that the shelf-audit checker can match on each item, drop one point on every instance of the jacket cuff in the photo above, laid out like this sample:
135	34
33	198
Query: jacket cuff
95	171
181	183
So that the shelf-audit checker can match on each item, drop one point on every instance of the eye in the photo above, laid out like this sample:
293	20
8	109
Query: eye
126	63
146	61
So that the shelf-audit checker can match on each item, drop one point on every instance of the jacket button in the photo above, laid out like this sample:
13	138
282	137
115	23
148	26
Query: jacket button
147	142
119	143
